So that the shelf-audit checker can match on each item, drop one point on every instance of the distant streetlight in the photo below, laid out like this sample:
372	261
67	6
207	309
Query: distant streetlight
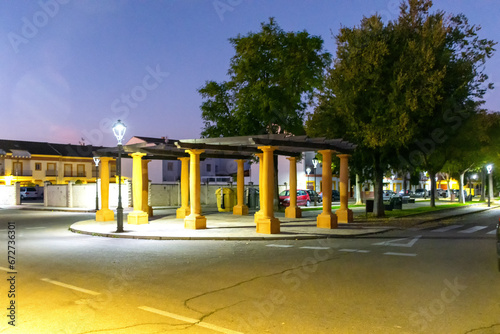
308	171
315	163
96	161
489	168
119	131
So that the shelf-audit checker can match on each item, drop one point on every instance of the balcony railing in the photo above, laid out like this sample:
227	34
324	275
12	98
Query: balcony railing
51	173
22	173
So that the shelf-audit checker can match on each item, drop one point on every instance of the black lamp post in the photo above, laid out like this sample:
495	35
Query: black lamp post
119	131
96	161
315	163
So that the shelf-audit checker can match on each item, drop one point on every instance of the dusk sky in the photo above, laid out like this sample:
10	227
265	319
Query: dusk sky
70	68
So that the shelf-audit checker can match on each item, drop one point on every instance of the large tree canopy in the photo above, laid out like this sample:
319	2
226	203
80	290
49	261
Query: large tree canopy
396	86
273	76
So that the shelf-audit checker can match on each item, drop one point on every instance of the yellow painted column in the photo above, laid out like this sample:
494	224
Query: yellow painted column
293	211
261	191
195	220
105	214
267	223
240	209
184	210
327	219
145	188
344	215
137	216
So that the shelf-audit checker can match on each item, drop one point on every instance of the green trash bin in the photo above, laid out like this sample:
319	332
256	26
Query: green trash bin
225	199
396	203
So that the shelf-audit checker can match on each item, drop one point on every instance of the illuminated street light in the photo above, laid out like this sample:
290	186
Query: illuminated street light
119	131
96	161
315	163
308	171
489	168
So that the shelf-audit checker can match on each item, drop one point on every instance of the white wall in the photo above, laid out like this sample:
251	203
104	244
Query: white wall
9	195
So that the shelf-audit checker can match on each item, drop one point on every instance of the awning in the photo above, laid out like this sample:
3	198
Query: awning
20	154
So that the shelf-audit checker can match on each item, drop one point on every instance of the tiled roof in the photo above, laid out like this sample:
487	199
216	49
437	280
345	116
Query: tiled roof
41	148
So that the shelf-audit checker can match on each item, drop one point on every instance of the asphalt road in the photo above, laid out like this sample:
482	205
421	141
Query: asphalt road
440	278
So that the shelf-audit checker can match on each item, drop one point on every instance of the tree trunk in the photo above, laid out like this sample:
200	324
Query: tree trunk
432	175
483	188
358	191
378	205
461	188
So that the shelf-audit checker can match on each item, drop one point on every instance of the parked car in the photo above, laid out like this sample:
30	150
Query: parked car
406	194
421	193
498	244
302	198
314	195
335	195
443	193
29	193
387	194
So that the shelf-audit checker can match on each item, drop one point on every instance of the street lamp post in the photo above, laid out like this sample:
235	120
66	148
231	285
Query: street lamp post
96	161
308	171
489	168
119	131
315	163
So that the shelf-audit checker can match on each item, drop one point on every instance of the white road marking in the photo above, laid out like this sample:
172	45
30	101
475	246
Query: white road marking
310	247
397	242
446	228
400	254
354	250
473	229
188	320
492	231
35	228
90	292
282	246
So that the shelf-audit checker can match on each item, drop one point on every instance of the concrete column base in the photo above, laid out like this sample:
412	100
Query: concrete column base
104	215
257	216
326	221
344	216
182	212
137	218
193	222
293	212
240	210
268	225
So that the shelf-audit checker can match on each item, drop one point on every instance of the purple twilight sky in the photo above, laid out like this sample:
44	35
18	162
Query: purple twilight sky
70	68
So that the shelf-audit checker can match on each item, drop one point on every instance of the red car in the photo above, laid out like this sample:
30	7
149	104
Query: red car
303	198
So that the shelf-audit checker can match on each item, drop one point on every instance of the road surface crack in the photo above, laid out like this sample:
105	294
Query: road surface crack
482	328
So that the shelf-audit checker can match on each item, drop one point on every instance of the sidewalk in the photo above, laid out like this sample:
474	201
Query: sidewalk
226	226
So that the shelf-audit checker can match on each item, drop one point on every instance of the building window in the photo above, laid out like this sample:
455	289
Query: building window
38	166
170	166
68	170
209	167
51	169
80	170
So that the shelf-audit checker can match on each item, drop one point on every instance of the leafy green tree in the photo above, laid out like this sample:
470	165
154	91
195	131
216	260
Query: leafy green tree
272	78
390	82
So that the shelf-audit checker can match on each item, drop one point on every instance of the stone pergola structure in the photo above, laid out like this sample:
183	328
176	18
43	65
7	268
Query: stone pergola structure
242	148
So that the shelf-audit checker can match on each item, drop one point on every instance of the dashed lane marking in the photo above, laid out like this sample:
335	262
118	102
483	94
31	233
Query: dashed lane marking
279	246
400	254
348	250
311	247
189	320
90	292
492	232
447	228
473	229
35	228
405	242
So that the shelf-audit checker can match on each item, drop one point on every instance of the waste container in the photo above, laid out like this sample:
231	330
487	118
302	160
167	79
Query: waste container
369	205
396	203
225	199
252	198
